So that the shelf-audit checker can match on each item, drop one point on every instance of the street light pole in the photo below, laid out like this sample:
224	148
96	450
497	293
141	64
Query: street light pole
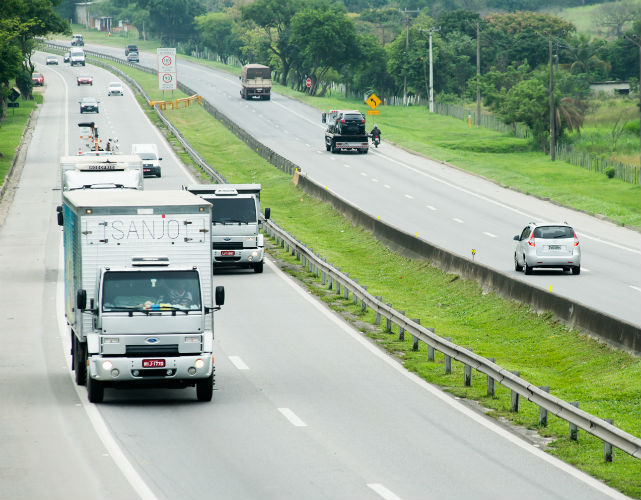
407	45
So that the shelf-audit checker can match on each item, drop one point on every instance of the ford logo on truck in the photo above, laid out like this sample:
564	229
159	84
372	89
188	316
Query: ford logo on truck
152	340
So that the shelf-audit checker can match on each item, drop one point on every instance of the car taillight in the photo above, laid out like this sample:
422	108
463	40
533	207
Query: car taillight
343	120
531	241
576	240
363	120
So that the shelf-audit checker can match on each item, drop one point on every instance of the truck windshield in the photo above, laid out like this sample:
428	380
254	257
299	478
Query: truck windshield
150	290
240	210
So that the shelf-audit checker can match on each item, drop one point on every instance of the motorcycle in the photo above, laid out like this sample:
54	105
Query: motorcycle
376	140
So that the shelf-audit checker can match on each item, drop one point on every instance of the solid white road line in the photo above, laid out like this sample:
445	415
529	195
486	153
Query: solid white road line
383	491
66	111
638	289
292	417
448	400
238	363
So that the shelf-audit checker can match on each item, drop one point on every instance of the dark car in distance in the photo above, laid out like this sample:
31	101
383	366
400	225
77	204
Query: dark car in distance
130	48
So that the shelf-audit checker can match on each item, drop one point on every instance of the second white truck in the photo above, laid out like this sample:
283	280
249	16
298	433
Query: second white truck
236	221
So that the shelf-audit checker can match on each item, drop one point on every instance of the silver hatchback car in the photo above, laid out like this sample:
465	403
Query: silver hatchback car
547	245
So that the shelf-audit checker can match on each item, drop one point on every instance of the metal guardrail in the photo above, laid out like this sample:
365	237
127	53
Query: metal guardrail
598	427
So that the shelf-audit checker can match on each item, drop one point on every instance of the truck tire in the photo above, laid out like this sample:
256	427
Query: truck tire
95	388
79	360
327	146
205	388
333	146
258	267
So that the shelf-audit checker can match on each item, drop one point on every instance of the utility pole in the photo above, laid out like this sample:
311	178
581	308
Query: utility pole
637	41
478	74
552	118
431	91
406	18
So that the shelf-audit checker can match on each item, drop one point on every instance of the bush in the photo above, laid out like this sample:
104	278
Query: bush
632	127
609	172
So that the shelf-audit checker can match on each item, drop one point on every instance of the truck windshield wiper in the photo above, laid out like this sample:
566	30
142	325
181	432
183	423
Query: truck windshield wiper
164	307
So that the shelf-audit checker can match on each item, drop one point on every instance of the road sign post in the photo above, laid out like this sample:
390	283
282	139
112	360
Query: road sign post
308	82
167	74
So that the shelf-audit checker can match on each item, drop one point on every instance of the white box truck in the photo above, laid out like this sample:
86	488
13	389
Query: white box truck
236	222
138	290
76	57
101	172
150	159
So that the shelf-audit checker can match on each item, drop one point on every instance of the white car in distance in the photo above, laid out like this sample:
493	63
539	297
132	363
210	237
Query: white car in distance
115	88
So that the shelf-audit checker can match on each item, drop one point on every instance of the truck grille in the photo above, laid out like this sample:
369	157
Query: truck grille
228	245
141	351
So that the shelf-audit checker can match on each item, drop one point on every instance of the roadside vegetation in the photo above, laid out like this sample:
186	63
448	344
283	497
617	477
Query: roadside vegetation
606	382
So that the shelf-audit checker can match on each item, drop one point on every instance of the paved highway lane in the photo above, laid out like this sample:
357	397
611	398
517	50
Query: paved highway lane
447	207
304	406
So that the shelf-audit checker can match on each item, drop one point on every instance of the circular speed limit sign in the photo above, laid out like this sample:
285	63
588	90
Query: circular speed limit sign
166	61
167	77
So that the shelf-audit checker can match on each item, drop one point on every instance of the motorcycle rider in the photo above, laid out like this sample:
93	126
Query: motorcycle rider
376	135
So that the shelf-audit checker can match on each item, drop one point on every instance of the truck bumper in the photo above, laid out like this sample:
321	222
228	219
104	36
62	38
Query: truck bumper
179	369
239	256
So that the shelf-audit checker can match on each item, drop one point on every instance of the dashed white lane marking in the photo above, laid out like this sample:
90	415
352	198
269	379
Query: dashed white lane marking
638	289
332	158
409	196
490	235
383	491
292	417
456	219
363	174
586	270
346	165
430	207
307	145
387	186
238	363
374	180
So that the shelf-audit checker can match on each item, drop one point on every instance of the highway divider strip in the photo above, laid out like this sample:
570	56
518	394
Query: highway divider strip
598	427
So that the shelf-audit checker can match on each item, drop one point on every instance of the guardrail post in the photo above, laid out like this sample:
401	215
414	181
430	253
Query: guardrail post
298	254
354	296
430	349
346	290
330	282
467	374
543	413
363	304
448	359
304	261
607	447
377	321
323	278
414	337
310	266
490	381
514	397
401	330
574	430
338	284
388	322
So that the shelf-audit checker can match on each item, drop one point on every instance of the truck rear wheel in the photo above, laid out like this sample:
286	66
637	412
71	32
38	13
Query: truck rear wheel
79	360
205	388
95	388
333	146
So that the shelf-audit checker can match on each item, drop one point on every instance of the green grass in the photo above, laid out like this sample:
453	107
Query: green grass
606	382
501	158
11	131
584	19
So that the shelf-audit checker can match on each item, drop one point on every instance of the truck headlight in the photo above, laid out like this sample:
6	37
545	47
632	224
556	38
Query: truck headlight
199	363
107	365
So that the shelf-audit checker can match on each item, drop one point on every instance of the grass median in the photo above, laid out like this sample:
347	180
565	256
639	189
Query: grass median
606	382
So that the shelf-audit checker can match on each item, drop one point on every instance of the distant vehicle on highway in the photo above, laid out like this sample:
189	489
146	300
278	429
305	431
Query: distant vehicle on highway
132	57
84	80
150	160
77	57
51	60
66	57
77	41
89	105
115	88
130	48
38	79
553	245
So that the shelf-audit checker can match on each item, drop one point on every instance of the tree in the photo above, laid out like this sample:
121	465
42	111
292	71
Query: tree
583	56
10	60
614	16
218	32
172	20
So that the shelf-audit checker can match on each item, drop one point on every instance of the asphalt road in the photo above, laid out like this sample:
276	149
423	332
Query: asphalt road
445	206
304	406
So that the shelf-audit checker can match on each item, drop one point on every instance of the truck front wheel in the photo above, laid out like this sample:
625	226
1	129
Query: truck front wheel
205	387
258	267
79	360
95	388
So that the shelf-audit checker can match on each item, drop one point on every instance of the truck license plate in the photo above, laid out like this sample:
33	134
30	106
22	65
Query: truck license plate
227	252
153	363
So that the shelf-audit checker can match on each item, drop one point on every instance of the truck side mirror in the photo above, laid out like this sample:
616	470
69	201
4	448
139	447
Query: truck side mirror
81	299
324	117
220	295
268	212
60	217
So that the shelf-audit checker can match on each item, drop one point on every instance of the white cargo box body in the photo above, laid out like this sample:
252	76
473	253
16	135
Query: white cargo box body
110	227
100	172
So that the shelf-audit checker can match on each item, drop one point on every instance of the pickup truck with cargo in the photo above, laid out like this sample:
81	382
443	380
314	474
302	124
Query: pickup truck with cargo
345	130
256	81
101	172
138	290
236	222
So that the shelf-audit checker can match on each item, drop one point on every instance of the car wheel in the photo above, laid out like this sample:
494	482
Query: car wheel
576	270
333	146
517	266
205	388
527	269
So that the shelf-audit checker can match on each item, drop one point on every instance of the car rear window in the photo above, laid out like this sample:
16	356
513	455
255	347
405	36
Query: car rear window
353	118
553	232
